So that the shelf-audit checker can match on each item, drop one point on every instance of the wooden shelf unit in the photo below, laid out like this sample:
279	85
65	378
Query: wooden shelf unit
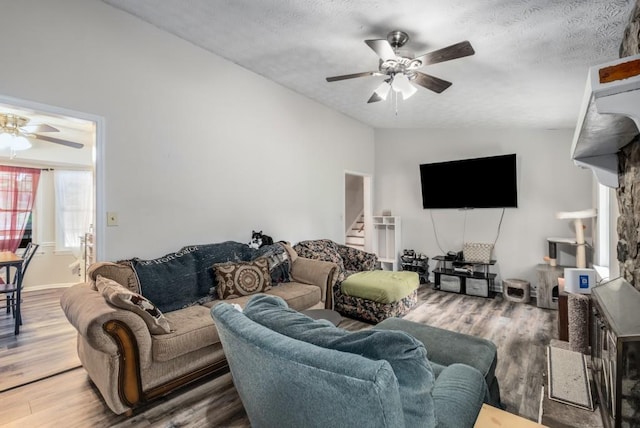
387	239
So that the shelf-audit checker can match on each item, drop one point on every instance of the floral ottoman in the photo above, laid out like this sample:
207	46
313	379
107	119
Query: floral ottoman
377	295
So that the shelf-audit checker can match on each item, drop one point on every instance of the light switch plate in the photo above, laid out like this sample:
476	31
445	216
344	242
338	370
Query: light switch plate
112	218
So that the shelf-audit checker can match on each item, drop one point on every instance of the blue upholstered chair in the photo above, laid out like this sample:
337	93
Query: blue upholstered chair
293	371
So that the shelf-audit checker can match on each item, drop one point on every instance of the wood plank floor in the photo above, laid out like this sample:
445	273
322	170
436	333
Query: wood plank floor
46	344
521	332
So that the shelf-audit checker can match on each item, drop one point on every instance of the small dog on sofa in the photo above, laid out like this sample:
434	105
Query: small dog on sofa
259	239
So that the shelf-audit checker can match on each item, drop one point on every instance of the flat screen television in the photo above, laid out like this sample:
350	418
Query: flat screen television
487	182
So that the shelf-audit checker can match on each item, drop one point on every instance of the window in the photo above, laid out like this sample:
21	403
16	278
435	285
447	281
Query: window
74	207
603	237
18	188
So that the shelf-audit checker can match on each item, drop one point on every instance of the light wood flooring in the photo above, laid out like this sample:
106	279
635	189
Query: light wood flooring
46	344
521	332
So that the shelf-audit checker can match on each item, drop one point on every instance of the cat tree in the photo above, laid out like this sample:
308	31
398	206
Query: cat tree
548	288
578	223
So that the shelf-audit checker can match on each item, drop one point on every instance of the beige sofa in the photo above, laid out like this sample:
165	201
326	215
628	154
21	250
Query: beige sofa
131	366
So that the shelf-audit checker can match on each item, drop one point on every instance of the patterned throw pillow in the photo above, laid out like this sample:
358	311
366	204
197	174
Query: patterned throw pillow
119	296
242	278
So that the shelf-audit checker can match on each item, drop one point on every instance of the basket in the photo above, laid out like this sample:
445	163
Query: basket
477	252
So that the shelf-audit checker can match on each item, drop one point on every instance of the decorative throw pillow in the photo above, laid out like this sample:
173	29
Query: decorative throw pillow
119	296
242	278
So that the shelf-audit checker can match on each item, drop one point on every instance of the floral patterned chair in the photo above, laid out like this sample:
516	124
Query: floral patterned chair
352	260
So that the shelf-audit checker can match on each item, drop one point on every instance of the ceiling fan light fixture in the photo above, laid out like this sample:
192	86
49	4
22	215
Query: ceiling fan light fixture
20	143
401	84
409	93
14	142
5	140
383	90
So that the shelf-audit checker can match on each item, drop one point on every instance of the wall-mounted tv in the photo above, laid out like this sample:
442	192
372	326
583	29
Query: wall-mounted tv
487	182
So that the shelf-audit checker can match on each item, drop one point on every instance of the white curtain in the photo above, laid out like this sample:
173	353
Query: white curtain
74	208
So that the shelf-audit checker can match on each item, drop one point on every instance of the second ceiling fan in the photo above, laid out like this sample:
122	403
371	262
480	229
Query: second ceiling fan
15	132
402	71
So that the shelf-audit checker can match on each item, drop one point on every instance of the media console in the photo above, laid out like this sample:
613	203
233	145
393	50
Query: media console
477	280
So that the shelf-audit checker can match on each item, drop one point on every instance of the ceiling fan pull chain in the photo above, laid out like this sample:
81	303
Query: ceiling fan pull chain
395	98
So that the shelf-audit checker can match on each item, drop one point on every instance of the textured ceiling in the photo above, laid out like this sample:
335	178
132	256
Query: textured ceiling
529	69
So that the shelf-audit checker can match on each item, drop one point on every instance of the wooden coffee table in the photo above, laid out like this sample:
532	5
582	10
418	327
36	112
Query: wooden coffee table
492	417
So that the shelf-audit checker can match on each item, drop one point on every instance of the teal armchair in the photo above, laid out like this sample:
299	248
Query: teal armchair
293	371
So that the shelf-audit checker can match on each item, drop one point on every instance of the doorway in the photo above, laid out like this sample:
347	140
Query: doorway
60	139
357	210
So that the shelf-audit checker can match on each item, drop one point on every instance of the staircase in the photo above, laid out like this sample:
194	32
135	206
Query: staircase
355	235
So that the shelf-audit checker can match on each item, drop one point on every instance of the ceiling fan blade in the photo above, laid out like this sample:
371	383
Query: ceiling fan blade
58	141
351	76
432	83
458	50
382	48
43	127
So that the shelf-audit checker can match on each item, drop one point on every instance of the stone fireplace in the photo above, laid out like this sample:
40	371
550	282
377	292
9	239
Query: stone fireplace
628	226
628	193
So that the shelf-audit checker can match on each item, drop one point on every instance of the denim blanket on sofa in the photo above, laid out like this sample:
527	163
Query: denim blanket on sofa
179	279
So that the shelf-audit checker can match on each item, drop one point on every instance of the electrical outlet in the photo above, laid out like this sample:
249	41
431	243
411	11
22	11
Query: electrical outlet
112	218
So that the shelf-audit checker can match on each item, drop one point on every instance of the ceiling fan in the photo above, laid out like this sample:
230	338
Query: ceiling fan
15	132
401	71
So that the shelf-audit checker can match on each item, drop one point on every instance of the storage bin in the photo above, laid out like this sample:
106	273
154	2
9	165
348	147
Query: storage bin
450	283
477	287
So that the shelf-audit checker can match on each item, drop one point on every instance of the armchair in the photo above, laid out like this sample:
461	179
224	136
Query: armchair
292	371
355	260
349	260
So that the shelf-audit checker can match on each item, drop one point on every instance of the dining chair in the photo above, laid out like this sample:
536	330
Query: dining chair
10	288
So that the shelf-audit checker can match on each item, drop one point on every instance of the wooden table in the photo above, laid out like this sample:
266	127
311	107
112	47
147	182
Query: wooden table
492	417
8	260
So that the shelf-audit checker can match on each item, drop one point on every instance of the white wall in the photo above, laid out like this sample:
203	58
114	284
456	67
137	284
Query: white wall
197	149
548	182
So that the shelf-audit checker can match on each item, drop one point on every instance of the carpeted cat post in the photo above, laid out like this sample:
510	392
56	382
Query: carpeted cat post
578	313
